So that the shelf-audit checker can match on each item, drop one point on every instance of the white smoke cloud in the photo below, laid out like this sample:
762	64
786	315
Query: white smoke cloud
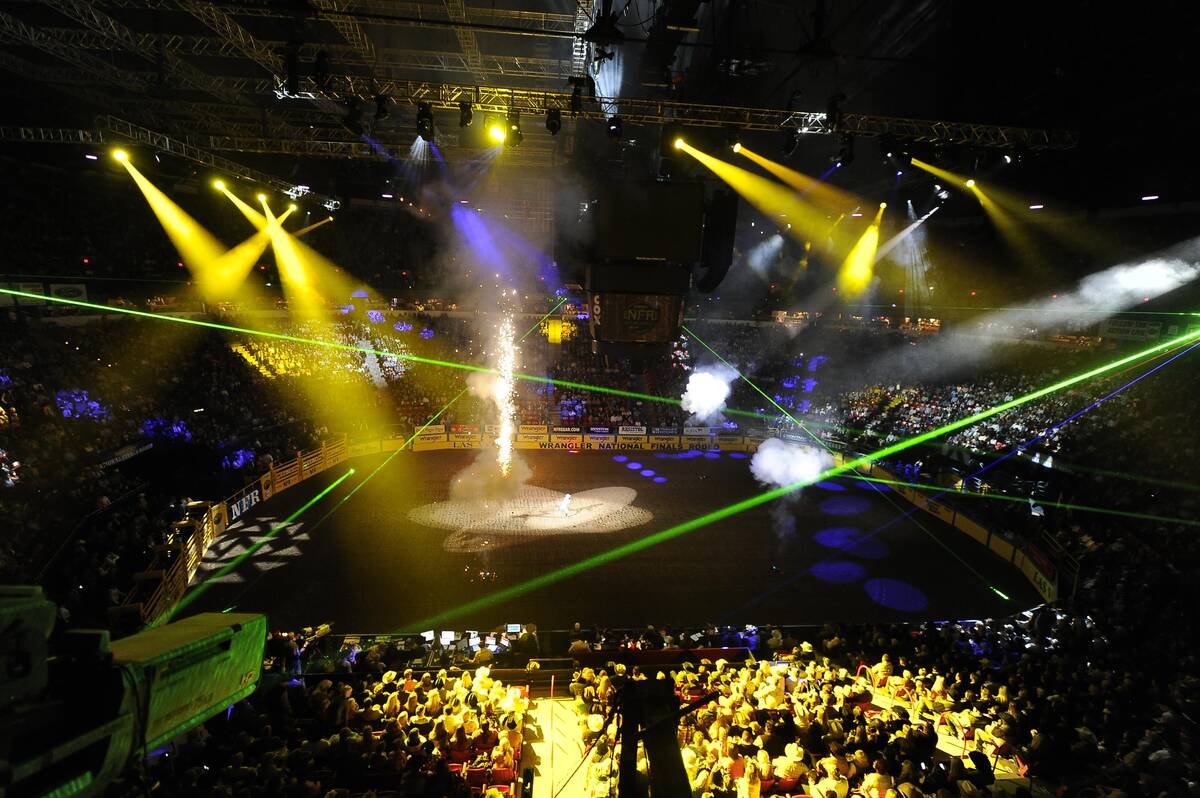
706	393
779	463
482	385
482	481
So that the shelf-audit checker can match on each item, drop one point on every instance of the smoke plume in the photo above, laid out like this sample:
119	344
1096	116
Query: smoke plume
706	393
778	463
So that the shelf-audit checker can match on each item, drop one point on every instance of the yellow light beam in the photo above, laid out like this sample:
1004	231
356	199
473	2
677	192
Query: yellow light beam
255	218
218	272
808	223
818	190
1015	234
859	266
305	230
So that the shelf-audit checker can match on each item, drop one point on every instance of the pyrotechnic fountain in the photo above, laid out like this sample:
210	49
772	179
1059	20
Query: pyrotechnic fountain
504	393
492	506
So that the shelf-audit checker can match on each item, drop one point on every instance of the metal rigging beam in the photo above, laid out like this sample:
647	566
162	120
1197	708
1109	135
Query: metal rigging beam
385	58
493	99
14	30
115	128
349	28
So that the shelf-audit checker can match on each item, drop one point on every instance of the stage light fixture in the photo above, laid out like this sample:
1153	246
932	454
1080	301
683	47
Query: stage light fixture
737	146
882	205
614	127
553	121
292	205
576	99
381	107
791	140
496	132
262	197
845	153
971	183
425	121
679	143
833	111
353	119
514	137
120	155
465	114
219	184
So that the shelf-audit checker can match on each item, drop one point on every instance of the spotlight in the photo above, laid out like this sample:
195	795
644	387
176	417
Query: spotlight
1008	159
514	136
120	155
971	182
679	143
614	127
292	205
425	121
219	185
496	132
262	197
553	121
465	114
381	107
882	205
737	146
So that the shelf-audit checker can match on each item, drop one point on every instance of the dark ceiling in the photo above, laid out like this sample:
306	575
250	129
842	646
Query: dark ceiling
214	72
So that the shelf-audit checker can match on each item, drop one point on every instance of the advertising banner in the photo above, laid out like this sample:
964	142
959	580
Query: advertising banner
664	431
533	429
627	430
636	441
76	291
663	443
8	300
599	430
697	430
432	429
591	441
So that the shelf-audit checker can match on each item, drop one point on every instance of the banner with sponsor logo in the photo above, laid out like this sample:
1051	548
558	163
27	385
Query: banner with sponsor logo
598	441
599	430
730	443
8	300
432	429
566	437
126	453
697	430
631	430
530	435
664	430
76	291
695	442
663	443
238	506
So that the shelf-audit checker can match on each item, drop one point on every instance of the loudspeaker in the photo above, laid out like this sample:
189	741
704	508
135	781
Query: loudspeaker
716	255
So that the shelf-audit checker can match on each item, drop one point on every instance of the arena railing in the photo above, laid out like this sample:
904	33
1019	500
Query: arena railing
166	580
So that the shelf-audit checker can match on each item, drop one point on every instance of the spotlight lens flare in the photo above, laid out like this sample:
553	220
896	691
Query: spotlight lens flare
262	197
120	155
679	144
737	146
219	185
496	134
970	183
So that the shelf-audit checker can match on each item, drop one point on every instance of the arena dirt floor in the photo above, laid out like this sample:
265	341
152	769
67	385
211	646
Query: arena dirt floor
838	551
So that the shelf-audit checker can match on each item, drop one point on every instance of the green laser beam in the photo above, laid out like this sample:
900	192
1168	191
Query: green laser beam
619	552
928	532
238	560
746	380
1086	508
212	325
538	323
